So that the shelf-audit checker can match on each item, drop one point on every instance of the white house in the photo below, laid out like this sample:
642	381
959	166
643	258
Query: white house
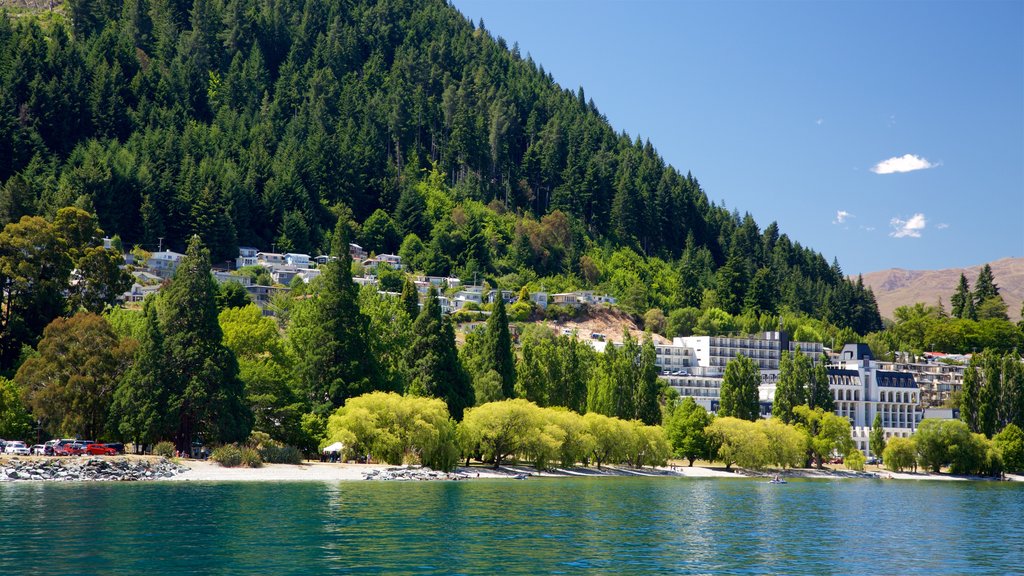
164	263
297	260
246	256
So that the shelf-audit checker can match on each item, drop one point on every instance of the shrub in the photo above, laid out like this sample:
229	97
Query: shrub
855	461
228	456
280	454
250	457
165	449
900	454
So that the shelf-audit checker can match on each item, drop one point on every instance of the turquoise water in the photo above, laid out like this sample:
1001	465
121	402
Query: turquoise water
572	526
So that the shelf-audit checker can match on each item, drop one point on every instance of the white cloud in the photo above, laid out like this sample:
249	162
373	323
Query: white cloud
899	164
841	216
942	226
908	228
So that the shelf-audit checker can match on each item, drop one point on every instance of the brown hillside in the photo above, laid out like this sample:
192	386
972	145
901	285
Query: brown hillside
897	287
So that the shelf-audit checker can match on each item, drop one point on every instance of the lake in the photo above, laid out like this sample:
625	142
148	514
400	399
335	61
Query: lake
570	526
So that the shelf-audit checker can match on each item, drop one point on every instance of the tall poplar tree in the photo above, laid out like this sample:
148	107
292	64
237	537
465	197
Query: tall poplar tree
819	395
791	388
876	439
990	406
969	394
330	336
738	395
410	299
649	386
206	398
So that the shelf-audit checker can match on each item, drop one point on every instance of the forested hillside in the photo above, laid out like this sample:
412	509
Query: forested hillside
261	122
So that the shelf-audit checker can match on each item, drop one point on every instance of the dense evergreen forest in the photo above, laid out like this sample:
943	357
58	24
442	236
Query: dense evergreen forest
260	122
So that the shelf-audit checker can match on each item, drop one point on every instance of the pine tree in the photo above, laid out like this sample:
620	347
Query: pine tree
498	348
985	287
206	396
410	299
330	335
140	398
960	298
738	395
437	370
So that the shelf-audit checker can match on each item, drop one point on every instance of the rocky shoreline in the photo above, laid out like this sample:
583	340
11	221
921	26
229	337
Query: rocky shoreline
406	473
97	469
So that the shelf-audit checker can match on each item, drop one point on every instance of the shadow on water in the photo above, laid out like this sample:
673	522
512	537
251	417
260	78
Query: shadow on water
602	525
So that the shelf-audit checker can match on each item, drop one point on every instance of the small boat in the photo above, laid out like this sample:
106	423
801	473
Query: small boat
521	476
777	481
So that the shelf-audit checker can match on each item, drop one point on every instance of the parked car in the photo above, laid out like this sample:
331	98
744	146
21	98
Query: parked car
836	460
117	446
874	460
16	447
77	447
38	450
60	447
95	449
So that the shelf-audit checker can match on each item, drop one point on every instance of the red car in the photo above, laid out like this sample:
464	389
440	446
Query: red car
100	450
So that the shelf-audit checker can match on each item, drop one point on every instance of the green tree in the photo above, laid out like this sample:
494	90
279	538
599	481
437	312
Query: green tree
330	336
140	400
499	430
791	386
970	394
960	299
410	298
15	421
99	280
739	441
686	430
739	398
900	454
232	295
648	387
1011	443
819	394
395	429
69	383
498	347
206	399
937	442
434	359
877	437
990	396
828	433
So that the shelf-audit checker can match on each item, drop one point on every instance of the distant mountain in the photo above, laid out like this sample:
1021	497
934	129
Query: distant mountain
897	287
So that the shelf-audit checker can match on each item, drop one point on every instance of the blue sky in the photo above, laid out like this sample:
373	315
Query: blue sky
887	134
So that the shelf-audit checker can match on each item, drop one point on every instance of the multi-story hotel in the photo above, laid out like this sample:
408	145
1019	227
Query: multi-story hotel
694	365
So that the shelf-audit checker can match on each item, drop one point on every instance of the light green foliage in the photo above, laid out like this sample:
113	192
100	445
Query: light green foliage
787	445
70	383
392	428
228	456
900	454
685	429
165	449
265	366
939	441
500	430
126	323
15	422
648	445
655	321
609	435
739	442
682	322
390	335
1011	444
577	443
855	461
828	433
739	397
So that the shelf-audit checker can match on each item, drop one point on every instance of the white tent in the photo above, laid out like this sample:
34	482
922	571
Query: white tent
336	447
